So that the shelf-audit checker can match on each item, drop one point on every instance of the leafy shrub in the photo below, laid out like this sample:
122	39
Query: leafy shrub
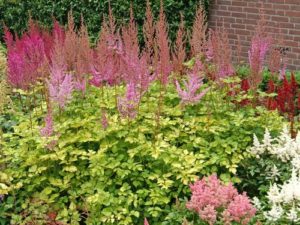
15	13
129	170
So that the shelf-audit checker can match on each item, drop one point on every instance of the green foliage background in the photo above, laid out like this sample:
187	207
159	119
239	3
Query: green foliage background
15	13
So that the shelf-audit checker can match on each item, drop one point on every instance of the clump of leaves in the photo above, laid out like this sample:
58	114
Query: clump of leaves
129	170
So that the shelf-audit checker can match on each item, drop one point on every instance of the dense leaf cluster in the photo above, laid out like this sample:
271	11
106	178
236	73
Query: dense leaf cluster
127	171
15	13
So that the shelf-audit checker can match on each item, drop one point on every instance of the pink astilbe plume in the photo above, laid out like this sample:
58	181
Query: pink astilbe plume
209	214
107	66
256	54
239	210
48	129
60	84
258	50
274	63
149	32
70	44
128	104
58	33
163	64
131	49
84	57
179	53
190	95
219	52
135	66
198	38
27	57
214	201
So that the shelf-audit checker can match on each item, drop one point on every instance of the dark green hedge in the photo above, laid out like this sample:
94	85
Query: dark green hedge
14	13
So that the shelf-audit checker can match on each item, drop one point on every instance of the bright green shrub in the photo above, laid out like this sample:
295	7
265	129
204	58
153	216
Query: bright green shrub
132	169
3	85
15	13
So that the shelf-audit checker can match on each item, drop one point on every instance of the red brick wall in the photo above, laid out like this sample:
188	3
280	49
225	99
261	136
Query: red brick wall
240	18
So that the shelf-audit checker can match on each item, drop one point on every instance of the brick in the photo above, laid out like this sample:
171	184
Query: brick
296	38
253	16
296	2
294	19
293	13
291	43
240	17
294	32
223	13
224	2
251	10
280	13
238	26
277	1
280	19
243	32
239	3
287	25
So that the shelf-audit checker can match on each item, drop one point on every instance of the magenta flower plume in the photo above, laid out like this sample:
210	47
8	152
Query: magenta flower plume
48	129
60	86
27	57
128	104
190	95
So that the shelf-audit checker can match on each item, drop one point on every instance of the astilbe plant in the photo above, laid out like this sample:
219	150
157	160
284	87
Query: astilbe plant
149	32
135	66
107	66
271	102
245	87
260	45
84	56
70	44
190	95
128	104
282	198
274	63
27	57
199	30
214	201
286	99
48	129
179	52
163	59
219	53
60	84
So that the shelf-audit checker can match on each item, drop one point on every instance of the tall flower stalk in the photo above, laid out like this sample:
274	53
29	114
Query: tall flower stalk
190	95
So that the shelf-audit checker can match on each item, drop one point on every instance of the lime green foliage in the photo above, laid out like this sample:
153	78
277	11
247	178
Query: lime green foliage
130	170
3	85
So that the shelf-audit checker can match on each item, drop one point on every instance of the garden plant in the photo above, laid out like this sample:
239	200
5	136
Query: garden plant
142	130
